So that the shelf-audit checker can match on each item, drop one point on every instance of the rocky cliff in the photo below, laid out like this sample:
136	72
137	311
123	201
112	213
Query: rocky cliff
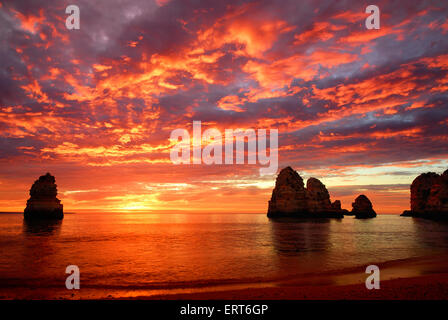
363	208
429	196
43	203
290	198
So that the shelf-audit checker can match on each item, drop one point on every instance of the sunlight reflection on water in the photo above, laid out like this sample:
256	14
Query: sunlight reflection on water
167	251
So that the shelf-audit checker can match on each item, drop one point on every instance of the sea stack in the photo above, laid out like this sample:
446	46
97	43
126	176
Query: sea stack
362	208
43	203
290	198
429	196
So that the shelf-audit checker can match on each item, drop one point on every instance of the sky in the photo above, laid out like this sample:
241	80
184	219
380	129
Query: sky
365	111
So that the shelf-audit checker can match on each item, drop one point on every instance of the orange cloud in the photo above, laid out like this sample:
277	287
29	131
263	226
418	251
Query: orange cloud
30	22
320	31
255	33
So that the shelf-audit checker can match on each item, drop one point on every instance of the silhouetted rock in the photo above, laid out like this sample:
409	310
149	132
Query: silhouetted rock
43	203
289	195
362	208
336	205
421	189
291	199
318	196
429	196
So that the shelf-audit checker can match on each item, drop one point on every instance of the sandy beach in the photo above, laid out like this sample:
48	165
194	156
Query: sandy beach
414	279
423	278
433	287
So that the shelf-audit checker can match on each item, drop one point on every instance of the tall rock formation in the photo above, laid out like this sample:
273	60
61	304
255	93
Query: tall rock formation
421	190
318	196
362	208
290	198
429	196
289	195
43	203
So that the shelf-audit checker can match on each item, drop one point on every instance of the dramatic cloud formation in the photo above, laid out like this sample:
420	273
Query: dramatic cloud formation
363	110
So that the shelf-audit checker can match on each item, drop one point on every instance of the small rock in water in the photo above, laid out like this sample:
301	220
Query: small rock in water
43	203
362	208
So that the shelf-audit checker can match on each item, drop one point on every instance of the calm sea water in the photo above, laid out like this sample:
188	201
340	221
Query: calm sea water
162	252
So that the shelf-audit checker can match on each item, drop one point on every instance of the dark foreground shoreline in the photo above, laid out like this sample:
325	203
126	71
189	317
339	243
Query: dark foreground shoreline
416	288
423	278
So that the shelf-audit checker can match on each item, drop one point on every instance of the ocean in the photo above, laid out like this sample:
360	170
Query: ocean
136	254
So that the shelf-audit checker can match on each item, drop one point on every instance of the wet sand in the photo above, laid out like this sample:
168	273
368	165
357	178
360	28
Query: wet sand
433	287
416	278
410	279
